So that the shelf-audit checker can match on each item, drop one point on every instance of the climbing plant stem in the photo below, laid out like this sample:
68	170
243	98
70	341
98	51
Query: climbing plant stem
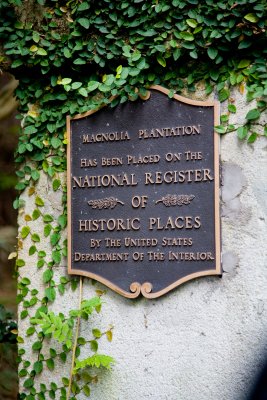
75	339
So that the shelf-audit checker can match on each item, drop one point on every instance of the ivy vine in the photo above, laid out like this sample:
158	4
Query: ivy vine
74	56
49	325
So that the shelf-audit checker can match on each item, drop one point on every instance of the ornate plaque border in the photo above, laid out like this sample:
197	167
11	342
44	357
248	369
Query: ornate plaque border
145	288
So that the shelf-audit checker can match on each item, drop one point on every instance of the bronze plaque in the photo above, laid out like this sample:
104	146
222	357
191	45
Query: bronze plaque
143	194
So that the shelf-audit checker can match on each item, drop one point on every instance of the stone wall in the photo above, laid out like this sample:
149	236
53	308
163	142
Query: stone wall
205	340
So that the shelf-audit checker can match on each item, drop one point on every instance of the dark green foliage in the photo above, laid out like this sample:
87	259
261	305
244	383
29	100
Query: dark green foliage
72	57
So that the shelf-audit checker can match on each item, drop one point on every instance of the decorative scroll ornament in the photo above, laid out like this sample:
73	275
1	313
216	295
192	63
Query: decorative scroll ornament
176	199
136	288
107	202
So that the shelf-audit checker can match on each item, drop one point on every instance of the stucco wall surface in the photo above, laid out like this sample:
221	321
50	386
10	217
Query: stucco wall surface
205	340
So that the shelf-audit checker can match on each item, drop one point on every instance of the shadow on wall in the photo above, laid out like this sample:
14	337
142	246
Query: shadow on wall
259	391
9	127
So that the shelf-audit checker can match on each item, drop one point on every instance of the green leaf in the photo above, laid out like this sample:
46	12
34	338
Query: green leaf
25	281
50	364
35	237
22	372
30	129
251	17
56	184
81	341
97	360
88	306
51	127
33	48
53	353
136	55
63	357
86	390
40	263
161	60
53	386
232	108
24	232
244	44
187	36
83	6
56	256
66	52
176	54
244	63
79	61
20	262
32	250
48	218
96	333
24	314
30	331
252	138
37	345
17	63
83	92
50	293
75	388
192	23
78	352
253	114
65	381
141	64
39	202
193	54
160	47
55	142
84	22
38	367
92	85
61	289
36	214
20	339
62	220
65	81
20	186
54	239
41	52
212	53
28	383
94	345
47	230
224	95
35	36
76	85
104	88
52	394
47	275
221	129
214	74
147	33
109	335
242	132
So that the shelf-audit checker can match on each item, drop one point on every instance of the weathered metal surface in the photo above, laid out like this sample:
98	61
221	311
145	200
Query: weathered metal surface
143	194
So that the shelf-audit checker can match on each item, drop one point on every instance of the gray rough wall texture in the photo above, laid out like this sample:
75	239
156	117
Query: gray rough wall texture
205	340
